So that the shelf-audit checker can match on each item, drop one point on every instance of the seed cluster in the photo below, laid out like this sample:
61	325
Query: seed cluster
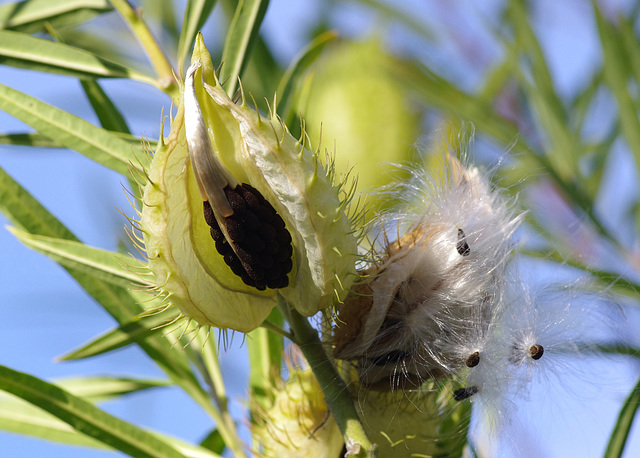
261	253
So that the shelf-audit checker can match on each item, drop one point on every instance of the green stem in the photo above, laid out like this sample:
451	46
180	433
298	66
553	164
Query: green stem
336	393
213	375
166	74
620	433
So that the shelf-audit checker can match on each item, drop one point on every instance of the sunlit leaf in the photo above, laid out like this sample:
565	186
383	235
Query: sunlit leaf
241	38
84	416
29	16
134	331
195	15
72	131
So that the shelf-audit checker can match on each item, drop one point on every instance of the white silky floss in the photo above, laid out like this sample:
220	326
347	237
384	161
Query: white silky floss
429	296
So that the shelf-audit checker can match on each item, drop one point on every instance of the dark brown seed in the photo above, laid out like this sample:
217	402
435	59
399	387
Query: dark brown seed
462	246
473	360
536	351
261	252
464	393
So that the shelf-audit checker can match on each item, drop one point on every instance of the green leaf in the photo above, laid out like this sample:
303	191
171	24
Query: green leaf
84	416
298	67
42	141
30	16
563	149
108	266
241	38
195	15
214	442
99	388
616	75
265	357
620	433
109	116
72	131
26	212
21	50
36	140
20	417
136	330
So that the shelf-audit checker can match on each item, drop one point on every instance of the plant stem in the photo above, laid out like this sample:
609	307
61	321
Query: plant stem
166	74
337	395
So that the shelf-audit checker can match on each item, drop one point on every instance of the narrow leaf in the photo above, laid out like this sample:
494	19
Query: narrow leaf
21	50
195	15
71	131
36	140
84	416
298	67
20	417
41	141
30	16
213	442
265	356
616	76
134	331
620	433
108	266
96	389
26	212
108	114
241	38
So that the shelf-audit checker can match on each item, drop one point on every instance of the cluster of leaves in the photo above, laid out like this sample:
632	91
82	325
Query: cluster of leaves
45	36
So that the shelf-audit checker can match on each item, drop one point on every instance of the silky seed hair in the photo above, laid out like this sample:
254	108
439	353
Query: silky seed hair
434	279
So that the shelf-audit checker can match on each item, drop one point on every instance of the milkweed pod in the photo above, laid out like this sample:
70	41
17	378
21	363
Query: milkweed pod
236	208
299	422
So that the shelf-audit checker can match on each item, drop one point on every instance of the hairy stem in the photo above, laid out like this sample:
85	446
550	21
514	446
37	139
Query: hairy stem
336	393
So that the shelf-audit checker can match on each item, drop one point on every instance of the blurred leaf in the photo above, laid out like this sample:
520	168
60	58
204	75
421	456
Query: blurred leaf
108	266
620	433
214	442
84	416
37	140
241	38
21	50
296	69
72	131
563	149
616	76
133	331
265	357
388	12
30	16
195	15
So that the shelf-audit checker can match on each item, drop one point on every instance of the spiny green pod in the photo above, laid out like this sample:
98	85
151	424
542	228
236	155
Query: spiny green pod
236	209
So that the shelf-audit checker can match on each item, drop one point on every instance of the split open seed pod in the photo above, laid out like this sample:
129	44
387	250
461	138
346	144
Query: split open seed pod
237	209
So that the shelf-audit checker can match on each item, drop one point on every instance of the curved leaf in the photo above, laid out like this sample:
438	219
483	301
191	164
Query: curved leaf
241	38
195	15
84	416
71	131
108	266
22	50
30	15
